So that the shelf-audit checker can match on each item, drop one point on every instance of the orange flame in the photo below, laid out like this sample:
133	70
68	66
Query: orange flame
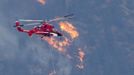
59	45
81	58
69	28
42	2
81	55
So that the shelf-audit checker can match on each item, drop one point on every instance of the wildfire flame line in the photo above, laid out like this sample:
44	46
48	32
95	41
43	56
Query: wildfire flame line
60	45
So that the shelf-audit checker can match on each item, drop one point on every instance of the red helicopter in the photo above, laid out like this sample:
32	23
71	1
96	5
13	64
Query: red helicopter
42	28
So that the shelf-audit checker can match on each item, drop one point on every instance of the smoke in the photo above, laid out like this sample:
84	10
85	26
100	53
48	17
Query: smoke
7	44
68	3
64	66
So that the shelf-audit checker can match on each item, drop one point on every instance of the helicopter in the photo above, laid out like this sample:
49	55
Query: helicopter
42	28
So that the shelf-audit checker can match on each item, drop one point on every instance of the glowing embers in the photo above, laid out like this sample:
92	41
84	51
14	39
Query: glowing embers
81	56
59	45
42	2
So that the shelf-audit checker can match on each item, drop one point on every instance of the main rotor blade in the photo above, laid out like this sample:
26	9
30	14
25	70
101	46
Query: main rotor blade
32	24
52	20
69	15
25	20
62	18
56	19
